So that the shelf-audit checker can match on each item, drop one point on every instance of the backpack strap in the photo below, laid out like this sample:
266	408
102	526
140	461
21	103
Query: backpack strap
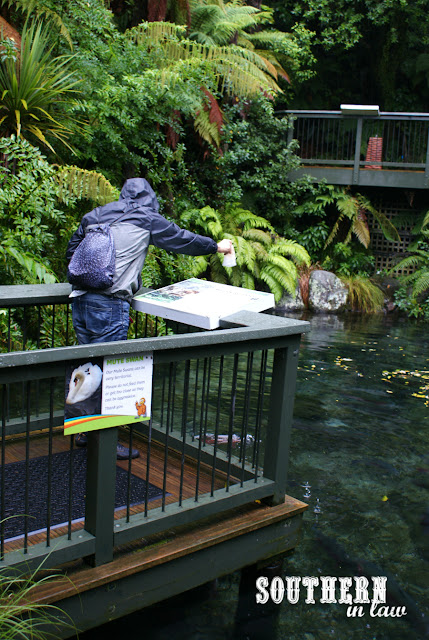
118	219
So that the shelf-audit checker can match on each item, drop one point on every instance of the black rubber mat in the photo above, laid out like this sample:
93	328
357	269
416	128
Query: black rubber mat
15	475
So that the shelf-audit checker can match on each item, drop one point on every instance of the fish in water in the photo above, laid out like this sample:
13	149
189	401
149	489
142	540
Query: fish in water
84	382
395	595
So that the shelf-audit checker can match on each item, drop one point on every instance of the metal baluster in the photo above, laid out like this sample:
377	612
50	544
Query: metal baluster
24	329
200	437
67	324
216	431
70	515
130	446
53	326
27	466
232	418
50	447
9	341
209	369
3	470
194	415
167	431
245	424
259	410
184	419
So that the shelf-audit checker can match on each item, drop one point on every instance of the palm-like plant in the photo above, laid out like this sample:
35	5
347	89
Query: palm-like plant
36	89
262	255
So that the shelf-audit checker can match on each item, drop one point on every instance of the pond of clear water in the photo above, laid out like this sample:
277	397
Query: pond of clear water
360	460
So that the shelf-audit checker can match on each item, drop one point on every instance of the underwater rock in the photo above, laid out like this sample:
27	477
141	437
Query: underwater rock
327	294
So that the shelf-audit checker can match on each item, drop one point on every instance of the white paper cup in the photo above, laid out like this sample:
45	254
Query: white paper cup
229	259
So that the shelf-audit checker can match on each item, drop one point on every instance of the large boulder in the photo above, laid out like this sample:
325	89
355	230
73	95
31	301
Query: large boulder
327	294
291	303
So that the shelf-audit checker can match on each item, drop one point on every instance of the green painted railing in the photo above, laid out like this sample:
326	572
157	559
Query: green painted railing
237	382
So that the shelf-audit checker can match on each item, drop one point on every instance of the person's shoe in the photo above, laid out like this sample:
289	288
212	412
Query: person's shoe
123	453
81	440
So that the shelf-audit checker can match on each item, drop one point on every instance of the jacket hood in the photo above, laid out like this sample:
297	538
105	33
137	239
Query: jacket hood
137	192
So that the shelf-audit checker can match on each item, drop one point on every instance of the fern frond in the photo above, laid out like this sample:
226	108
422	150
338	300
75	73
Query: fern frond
273	284
245	253
285	280
283	263
422	283
334	231
199	265
297	252
361	231
207	130
218	273
81	183
387	227
257	235
41	11
247	280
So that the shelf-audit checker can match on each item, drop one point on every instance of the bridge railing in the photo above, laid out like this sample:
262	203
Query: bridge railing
221	411
390	141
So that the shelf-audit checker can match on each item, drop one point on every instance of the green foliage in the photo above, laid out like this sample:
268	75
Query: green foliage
262	256
40	9
377	42
255	165
29	217
419	279
348	260
34	197
328	206
413	307
36	90
364	295
22	618
74	182
223	23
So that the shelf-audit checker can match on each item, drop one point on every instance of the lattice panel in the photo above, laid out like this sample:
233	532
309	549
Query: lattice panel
386	252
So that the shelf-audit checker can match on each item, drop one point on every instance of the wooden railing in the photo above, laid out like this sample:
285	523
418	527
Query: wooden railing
347	149
222	405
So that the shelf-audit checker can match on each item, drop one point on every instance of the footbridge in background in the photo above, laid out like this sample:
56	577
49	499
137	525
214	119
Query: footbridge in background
387	149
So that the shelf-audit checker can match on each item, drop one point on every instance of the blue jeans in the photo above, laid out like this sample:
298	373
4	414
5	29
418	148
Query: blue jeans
99	318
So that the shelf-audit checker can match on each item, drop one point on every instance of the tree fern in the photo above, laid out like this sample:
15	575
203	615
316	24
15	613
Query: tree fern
81	183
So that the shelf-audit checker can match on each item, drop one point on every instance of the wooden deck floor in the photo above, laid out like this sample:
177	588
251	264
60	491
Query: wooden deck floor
15	451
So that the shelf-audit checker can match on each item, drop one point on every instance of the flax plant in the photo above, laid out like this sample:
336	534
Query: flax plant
37	89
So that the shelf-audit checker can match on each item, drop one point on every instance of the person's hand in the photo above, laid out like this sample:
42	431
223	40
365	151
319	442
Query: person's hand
225	246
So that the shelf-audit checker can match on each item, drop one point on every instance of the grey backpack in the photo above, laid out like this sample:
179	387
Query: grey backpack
92	265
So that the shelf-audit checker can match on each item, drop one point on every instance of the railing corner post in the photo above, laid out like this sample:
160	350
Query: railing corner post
276	459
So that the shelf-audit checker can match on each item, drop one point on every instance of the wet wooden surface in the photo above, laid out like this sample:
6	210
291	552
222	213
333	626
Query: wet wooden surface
15	451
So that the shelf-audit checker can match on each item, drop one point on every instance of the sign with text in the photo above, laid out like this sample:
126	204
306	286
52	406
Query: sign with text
108	392
200	303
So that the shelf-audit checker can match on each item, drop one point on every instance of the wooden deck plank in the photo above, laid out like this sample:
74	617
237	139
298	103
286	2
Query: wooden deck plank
202	536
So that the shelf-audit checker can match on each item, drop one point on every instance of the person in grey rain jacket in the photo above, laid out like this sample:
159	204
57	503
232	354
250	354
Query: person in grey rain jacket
103	316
